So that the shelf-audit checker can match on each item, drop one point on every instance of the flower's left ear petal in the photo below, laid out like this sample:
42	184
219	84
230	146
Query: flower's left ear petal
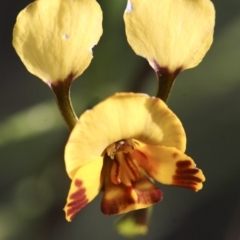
85	186
169	166
54	39
119	198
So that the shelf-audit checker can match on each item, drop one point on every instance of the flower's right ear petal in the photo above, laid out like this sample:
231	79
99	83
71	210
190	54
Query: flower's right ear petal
172	34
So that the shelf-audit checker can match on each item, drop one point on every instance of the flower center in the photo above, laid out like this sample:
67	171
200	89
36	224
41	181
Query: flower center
124	168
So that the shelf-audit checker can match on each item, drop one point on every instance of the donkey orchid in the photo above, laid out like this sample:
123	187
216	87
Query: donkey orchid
119	147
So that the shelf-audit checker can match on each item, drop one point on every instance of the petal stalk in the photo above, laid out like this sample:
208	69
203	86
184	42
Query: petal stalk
61	90
165	81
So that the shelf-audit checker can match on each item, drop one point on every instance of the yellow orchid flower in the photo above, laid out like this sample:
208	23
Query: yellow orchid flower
119	147
54	39
172	35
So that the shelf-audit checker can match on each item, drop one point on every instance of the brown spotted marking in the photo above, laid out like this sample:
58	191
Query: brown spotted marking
117	204
185	175
78	199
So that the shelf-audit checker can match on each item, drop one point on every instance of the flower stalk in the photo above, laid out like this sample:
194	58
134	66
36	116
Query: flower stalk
165	82
61	90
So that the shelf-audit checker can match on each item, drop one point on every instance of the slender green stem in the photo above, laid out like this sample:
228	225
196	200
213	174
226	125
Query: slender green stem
61	90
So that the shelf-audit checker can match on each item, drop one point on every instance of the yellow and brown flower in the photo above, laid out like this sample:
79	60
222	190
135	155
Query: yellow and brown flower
120	146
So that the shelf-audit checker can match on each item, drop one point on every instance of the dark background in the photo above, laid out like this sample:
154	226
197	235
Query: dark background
33	181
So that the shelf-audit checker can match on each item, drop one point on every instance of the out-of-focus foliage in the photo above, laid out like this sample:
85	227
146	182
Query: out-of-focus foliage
33	181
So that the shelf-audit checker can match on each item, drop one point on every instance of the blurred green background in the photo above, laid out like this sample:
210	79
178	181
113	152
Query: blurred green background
33	181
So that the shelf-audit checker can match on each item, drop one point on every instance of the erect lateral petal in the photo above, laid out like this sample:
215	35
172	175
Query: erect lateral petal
174	34
54	39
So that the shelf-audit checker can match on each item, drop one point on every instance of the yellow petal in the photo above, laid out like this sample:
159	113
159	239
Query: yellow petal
119	198
172	34
168	165
85	186
54	39
122	116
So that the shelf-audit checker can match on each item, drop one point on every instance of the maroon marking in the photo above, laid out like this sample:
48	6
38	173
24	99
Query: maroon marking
133	168
118	204
76	203
164	71
78	183
186	178
183	164
78	194
185	175
58	83
175	155
78	199
117	173
76	206
188	171
152	194
73	210
142	154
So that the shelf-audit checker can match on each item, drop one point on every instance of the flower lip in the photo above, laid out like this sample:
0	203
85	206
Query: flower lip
122	116
130	193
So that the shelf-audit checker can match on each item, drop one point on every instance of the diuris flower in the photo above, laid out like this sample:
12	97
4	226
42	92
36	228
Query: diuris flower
119	147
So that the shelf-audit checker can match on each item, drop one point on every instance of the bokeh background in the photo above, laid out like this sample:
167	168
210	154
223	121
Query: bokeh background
33	181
